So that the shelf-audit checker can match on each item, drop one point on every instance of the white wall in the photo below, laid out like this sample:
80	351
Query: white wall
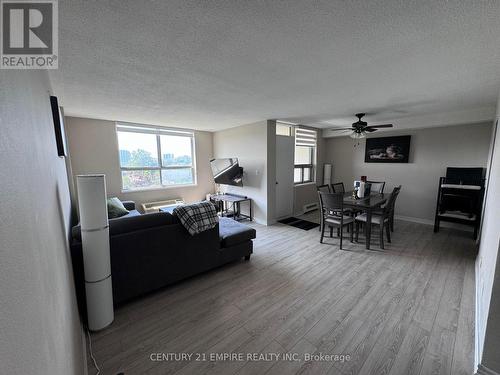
487	270
431	151
249	143
39	323
94	149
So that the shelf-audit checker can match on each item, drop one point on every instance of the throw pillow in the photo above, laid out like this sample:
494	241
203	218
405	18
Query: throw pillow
116	208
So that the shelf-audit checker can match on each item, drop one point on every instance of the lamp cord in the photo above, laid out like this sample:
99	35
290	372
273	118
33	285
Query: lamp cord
92	354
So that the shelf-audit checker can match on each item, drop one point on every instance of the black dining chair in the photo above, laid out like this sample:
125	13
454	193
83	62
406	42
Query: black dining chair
382	219
393	209
332	215
324	188
338	187
377	187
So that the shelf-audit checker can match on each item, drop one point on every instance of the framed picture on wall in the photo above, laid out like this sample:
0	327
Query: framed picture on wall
388	149
58	119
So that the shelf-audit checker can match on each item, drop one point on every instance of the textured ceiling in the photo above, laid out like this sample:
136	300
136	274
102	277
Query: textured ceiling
216	64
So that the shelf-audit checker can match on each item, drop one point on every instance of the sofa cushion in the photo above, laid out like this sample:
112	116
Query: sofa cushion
232	232
131	222
116	208
130	214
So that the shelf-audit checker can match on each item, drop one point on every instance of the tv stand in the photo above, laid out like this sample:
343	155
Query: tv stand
459	203
229	205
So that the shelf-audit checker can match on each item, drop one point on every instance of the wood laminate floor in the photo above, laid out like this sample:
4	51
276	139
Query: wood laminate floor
408	309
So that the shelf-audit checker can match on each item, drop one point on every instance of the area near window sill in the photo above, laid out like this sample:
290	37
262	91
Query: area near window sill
158	188
305	184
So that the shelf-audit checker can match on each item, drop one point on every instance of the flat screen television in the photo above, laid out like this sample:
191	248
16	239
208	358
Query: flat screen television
465	176
227	171
58	126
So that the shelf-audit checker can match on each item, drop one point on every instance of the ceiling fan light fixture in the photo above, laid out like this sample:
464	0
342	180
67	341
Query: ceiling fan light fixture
360	127
357	135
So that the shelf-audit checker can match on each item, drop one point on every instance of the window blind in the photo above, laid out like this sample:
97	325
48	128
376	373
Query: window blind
305	137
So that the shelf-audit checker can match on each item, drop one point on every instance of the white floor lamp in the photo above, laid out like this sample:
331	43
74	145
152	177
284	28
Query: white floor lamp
95	246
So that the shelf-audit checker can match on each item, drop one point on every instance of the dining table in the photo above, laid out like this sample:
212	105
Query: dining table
368	204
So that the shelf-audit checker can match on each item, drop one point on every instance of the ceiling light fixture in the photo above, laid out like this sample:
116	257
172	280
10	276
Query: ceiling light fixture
357	135
360	127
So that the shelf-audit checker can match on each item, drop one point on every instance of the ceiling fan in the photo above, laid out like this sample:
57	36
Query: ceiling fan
360	127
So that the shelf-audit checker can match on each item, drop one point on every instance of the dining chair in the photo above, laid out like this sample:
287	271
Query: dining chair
331	209
338	187
377	187
324	188
381	190
391	220
382	219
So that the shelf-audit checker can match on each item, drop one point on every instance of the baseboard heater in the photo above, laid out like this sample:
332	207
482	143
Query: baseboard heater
155	206
310	207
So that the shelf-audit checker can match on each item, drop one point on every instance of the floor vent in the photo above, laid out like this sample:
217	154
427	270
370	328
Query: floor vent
310	207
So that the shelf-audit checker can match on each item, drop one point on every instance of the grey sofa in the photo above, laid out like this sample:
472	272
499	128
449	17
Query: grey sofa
151	251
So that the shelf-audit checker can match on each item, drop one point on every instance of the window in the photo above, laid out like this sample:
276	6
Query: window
305	155
283	129
153	158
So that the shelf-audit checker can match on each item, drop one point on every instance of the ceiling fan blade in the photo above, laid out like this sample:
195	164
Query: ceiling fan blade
369	130
333	129
380	126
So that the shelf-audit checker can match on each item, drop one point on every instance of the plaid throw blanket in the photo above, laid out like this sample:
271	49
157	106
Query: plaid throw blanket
197	217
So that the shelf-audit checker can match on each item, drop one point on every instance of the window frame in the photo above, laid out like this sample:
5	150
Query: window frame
285	125
158	132
311	166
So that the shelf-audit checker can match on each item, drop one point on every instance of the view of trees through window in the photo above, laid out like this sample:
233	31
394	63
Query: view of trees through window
155	159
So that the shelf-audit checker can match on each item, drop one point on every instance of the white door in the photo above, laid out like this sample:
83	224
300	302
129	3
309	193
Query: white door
285	147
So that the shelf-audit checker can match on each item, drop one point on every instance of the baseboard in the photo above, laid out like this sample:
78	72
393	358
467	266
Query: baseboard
271	222
302	212
259	221
414	219
420	221
443	224
483	370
